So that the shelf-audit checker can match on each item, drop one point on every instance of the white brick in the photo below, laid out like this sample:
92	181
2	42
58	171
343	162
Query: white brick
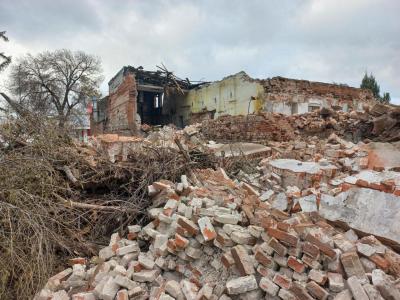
125	282
110	289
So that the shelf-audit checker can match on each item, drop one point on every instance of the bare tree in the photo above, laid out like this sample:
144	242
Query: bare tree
6	59
56	83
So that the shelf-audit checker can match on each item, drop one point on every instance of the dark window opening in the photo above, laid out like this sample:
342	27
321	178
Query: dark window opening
150	108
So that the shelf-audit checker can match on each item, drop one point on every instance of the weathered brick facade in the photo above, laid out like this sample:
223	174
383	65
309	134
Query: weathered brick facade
122	106
291	96
253	128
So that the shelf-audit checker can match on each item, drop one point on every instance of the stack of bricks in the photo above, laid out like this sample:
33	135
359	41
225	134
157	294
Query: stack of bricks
251	128
220	240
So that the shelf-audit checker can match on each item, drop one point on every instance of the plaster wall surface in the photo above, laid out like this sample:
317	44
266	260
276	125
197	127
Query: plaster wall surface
230	96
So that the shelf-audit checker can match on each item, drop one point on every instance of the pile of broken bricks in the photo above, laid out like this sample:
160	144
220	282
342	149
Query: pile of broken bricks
219	239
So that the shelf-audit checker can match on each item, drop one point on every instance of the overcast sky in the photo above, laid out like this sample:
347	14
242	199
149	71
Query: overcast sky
321	40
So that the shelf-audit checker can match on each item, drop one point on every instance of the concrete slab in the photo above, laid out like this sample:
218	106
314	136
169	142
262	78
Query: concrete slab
238	149
366	210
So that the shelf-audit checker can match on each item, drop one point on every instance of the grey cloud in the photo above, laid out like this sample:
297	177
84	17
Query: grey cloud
330	40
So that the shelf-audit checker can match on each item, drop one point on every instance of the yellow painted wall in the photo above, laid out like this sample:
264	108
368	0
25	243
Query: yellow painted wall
230	96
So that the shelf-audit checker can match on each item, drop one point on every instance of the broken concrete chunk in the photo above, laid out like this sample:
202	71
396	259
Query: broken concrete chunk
372	292
189	289
62	295
125	282
173	288
384	285
134	247
366	210
207	229
365	249
267	195
357	289
145	275
286	295
280	202
344	295
353	267
80	296
336	283
227	218
110	289
146	261
241	285
308	203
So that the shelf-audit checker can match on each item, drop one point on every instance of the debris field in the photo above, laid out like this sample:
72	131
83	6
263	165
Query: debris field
311	212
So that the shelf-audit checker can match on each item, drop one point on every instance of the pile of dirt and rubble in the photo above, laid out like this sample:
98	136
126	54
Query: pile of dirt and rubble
220	239
311	212
379	123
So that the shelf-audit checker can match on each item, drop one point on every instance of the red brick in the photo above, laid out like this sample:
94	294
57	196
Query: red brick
171	245
364	162
362	183
227	260
77	261
132	236
296	265
160	185
263	258
300	292
283	226
278	247
188	225
266	272
122	295
311	250
317	291
284	237
180	241
282	281
325	248
346	186
309	261
242	260
180	230
267	222
302	227
380	262
137	267
318	276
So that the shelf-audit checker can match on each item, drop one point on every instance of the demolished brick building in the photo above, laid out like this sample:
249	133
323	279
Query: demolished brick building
137	96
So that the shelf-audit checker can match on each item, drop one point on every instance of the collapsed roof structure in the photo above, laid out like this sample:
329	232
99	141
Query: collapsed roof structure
137	96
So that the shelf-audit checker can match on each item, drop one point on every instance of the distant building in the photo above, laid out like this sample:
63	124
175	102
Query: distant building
80	126
137	96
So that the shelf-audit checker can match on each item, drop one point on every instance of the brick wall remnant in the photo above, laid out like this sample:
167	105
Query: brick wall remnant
280	89
122	106
254	128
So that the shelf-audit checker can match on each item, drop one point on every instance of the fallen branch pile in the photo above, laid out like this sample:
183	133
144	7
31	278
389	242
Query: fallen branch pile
53	194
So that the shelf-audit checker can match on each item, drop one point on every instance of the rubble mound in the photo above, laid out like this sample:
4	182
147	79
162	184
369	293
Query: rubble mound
219	239
379	123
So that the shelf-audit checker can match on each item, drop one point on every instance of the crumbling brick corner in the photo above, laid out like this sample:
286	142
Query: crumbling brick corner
123	107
